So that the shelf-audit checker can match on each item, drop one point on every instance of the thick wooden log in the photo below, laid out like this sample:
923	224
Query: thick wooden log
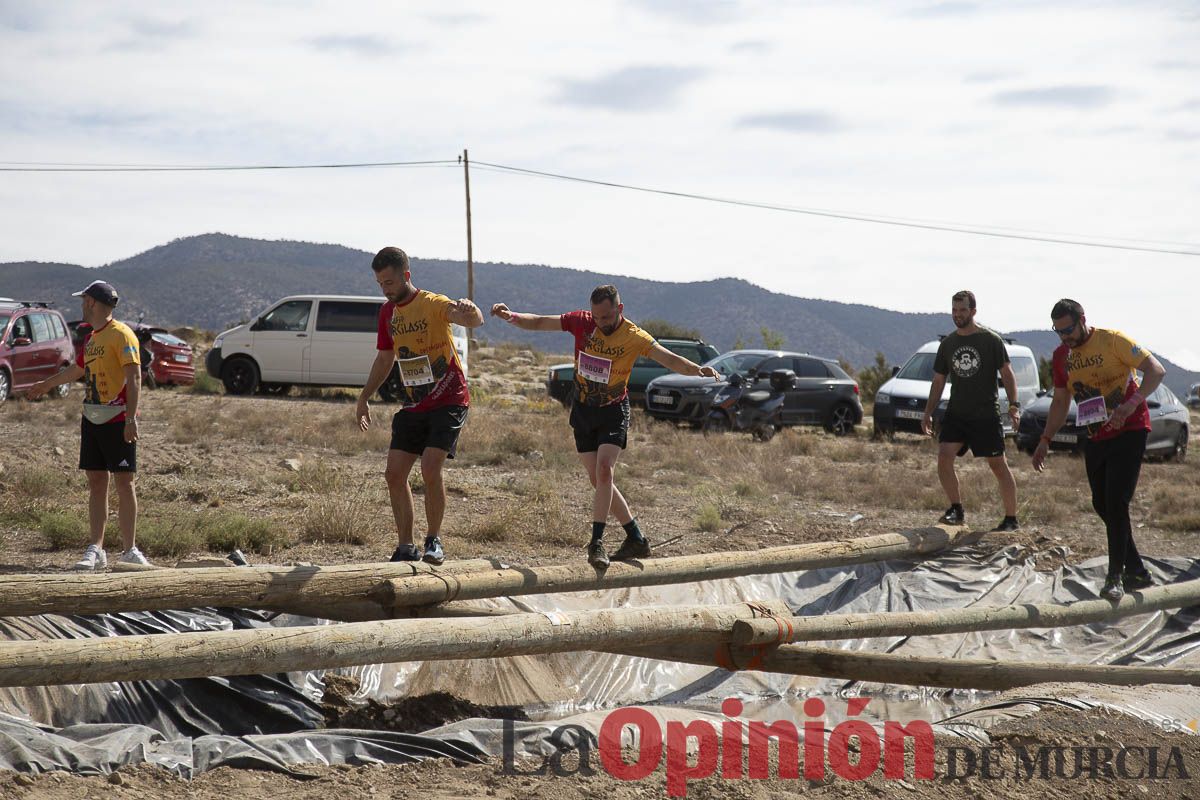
300	590
263	651
950	673
428	589
963	620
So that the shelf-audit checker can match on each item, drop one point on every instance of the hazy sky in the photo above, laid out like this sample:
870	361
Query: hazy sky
1077	118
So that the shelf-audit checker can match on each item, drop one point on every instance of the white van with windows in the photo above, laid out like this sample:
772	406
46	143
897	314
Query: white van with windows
308	340
900	403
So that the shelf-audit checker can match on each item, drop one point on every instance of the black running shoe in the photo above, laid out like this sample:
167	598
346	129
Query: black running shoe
1136	581
433	552
1112	588
1007	524
406	552
632	548
596	555
953	516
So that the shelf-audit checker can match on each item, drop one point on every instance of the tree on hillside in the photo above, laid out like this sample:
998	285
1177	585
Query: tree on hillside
661	329
872	377
772	340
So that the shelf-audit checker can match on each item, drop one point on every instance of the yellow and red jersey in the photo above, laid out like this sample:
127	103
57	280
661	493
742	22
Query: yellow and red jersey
418	332
603	362
1100	374
106	352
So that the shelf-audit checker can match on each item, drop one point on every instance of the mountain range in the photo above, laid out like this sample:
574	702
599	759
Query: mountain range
214	281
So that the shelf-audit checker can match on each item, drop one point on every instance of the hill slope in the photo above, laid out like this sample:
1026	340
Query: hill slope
214	281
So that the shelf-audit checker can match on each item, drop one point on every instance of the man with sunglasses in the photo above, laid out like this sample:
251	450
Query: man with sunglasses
1100	364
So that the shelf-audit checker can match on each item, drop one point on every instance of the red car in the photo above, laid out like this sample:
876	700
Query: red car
34	344
166	359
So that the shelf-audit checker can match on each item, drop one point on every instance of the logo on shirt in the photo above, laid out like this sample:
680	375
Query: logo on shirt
965	362
399	327
1078	362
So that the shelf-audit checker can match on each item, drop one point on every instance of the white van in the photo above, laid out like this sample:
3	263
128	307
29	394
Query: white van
307	340
900	403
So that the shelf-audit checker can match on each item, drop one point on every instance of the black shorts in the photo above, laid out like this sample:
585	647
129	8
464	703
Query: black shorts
413	431
597	425
103	447
984	436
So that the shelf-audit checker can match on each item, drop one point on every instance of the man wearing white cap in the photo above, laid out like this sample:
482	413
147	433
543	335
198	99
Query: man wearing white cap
110	367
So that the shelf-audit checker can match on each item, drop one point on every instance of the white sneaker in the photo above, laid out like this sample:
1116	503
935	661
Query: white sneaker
94	558
133	556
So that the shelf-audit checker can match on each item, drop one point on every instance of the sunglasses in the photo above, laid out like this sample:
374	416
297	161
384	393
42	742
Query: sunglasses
1067	331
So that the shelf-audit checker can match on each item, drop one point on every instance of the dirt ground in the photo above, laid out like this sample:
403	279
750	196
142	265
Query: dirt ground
291	480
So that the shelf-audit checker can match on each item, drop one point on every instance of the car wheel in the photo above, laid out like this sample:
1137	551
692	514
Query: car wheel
240	376
764	433
5	385
59	392
275	389
878	433
715	425
1179	451
393	388
841	420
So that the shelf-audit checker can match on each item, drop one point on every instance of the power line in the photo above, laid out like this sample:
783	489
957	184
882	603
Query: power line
1084	241
41	167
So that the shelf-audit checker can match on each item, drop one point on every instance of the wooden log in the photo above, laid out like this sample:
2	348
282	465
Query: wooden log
950	673
962	620
302	590
264	651
428	589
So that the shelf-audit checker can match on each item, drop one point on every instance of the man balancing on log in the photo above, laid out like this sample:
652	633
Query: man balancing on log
606	345
415	336
1101	367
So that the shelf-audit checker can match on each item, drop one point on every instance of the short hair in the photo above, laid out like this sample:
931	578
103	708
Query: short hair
1067	307
392	257
606	292
965	296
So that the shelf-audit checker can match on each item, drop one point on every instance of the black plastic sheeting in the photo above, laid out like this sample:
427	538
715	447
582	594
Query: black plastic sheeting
273	721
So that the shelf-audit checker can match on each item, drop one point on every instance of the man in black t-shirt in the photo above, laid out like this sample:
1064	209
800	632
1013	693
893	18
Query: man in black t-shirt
972	356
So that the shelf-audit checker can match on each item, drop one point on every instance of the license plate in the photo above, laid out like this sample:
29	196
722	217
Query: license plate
904	413
1066	438
181	358
662	399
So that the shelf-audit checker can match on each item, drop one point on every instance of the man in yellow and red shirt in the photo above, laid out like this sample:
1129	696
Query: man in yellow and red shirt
606	345
415	338
110	366
1097	368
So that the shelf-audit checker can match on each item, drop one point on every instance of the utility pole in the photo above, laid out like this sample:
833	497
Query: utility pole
466	162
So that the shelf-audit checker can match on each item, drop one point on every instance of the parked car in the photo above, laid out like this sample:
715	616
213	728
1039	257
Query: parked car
309	340
1193	396
560	380
823	393
166	359
34	344
900	402
1169	427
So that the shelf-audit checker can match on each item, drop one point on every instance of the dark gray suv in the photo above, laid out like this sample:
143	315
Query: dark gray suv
823	395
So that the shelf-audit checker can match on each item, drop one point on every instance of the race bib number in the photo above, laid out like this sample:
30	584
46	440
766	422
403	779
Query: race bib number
415	371
1091	411
595	368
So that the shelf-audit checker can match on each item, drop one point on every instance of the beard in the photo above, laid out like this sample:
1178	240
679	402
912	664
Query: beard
397	297
962	323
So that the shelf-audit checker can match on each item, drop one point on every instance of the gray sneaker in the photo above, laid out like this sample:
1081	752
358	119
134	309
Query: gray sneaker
94	559
133	556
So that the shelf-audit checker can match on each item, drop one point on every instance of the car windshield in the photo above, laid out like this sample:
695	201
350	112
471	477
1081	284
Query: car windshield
918	368
741	363
166	338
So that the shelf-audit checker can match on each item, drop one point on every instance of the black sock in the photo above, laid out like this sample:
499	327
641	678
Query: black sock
597	531
1009	518
956	506
429	540
633	531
